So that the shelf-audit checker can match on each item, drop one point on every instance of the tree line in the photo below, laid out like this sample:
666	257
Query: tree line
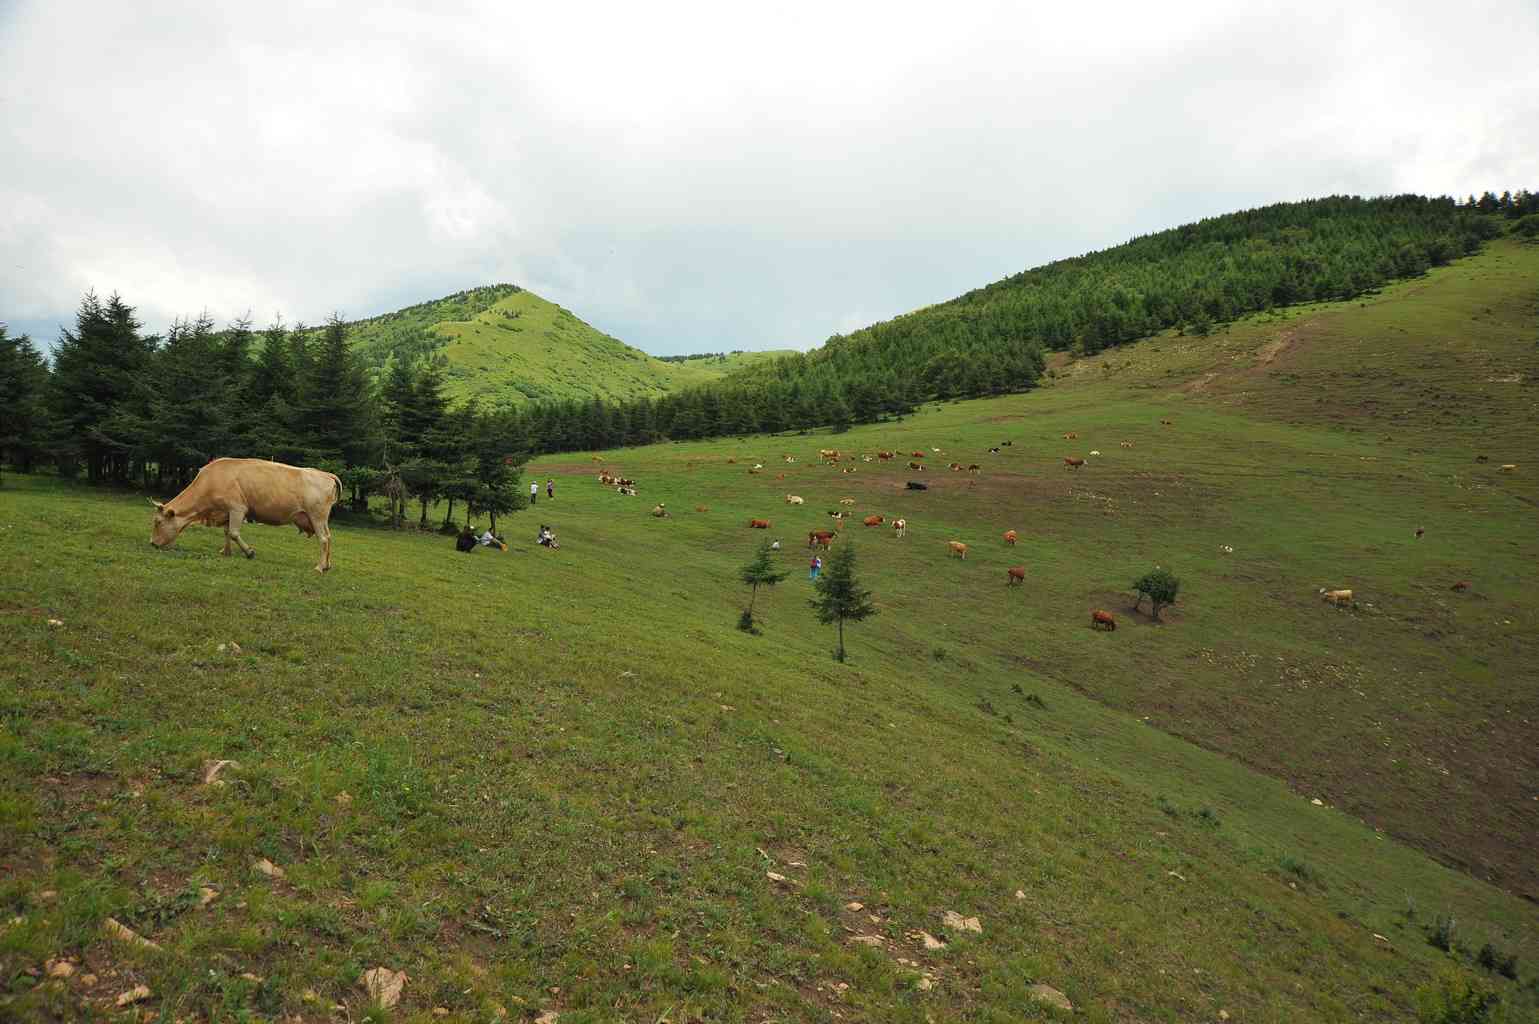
117	405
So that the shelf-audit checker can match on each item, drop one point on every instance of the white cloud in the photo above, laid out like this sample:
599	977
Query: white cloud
701	176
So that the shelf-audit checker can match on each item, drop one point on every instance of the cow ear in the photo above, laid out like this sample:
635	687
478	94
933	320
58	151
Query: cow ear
165	510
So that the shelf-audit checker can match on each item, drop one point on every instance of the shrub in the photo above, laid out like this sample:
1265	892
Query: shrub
1160	586
1456	999
1440	932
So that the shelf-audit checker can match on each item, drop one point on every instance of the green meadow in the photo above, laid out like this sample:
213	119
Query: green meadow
560	785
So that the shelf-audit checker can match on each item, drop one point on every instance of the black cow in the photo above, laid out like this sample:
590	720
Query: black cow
915	485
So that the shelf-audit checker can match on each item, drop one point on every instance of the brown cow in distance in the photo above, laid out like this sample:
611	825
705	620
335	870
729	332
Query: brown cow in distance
1010	537
1073	462
823	537
1100	619
917	455
884	456
229	492
1461	586
758	524
1015	574
958	548
873	520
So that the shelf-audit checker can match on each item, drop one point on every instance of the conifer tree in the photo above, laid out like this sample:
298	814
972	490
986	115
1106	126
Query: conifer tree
759	572
840	596
23	385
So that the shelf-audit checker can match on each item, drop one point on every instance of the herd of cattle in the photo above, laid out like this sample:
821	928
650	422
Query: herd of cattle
824	538
231	492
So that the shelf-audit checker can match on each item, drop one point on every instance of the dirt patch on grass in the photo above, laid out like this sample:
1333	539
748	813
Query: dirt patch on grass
1120	604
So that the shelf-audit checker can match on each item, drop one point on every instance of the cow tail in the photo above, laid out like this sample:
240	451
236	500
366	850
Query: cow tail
336	485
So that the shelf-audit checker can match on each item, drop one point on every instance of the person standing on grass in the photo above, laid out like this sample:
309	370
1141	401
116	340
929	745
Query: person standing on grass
534	492
550	489
814	567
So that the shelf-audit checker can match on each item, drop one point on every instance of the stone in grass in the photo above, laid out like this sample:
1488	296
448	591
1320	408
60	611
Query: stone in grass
854	906
957	923
207	895
868	940
123	933
59	968
137	994
1050	995
384	985
212	769
267	868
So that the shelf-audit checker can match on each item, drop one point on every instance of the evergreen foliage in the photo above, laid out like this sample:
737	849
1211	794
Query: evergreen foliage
759	572
23	384
840	596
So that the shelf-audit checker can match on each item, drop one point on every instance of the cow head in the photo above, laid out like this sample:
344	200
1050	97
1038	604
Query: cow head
165	524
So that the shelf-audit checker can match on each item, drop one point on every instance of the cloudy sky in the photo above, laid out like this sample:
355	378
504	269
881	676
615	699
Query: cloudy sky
700	176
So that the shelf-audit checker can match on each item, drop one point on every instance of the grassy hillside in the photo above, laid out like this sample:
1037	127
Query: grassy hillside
503	343
559	780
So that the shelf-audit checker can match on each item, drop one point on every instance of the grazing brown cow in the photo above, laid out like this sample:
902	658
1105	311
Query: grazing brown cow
1461	586
884	456
917	467
1072	462
955	467
731	462
229	492
823	537
1015	574
701	508
874	520
1339	598
958	548
1071	436
1100	619
899	527
758	524
917	455
975	469
1010	537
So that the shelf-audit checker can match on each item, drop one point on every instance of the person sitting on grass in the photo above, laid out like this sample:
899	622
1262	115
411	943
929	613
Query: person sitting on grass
660	511
491	540
548	538
466	541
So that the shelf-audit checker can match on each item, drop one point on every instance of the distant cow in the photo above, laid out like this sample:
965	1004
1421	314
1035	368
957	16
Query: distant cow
915	485
958	548
1071	436
899	527
758	524
884	456
1015	574
1339	598
794	499
846	501
975	469
1461	586
1072	462
1100	619
993	451
1094	452
820	537
1482	458
955	467
701	508
1006	444
228	492
1167	423
1127	444
873	520
917	467
1010	537
917	455
1509	467
755	470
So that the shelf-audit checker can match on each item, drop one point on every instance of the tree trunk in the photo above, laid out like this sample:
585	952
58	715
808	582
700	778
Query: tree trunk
753	596
422	523
494	523
841	638
449	515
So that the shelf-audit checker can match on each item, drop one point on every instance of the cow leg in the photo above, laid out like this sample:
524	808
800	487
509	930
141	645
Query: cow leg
322	524
232	532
